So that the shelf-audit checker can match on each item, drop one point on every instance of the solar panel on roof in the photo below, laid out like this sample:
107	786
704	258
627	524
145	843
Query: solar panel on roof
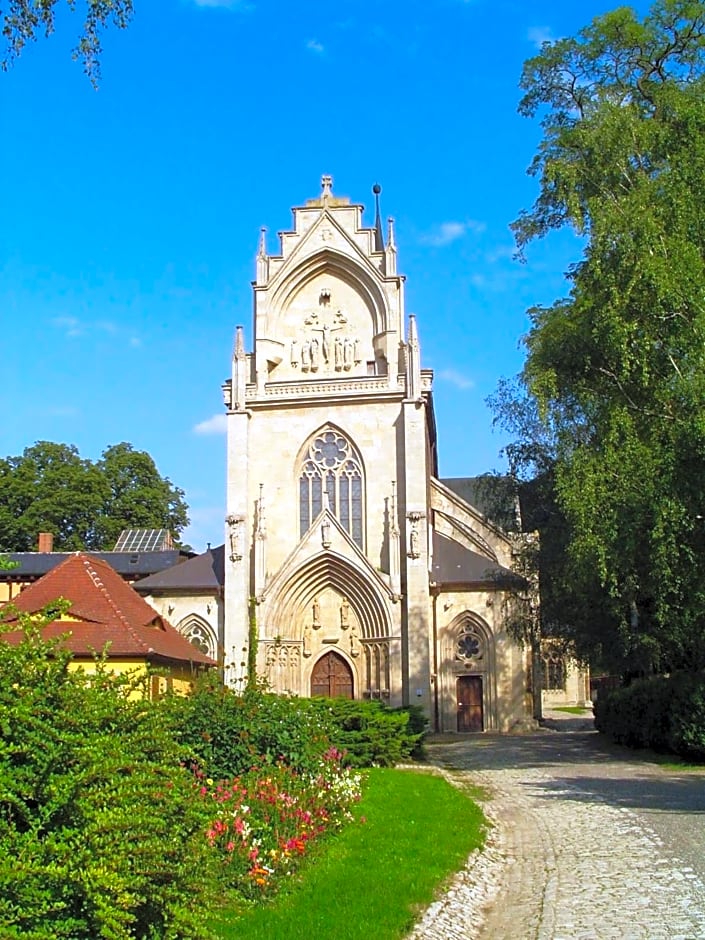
144	540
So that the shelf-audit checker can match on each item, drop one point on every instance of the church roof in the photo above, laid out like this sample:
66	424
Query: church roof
203	573
453	564
105	611
494	496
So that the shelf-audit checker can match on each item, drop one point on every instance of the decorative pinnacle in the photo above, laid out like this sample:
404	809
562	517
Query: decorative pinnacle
326	186
262	251
391	243
239	344
379	237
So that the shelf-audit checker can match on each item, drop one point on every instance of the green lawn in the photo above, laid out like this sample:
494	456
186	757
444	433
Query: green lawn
412	830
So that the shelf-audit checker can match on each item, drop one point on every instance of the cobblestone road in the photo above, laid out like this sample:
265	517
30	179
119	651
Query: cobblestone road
590	842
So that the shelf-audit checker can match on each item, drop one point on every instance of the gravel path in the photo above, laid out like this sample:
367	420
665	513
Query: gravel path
589	842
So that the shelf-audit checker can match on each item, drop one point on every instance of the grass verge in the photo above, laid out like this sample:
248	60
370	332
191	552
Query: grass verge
572	709
412	830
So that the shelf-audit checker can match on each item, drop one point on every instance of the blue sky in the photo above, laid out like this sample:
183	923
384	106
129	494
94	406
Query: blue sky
130	215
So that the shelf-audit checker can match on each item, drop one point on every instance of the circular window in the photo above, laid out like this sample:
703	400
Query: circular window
469	647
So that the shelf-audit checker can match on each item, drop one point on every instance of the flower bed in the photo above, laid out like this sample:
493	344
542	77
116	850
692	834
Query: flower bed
264	821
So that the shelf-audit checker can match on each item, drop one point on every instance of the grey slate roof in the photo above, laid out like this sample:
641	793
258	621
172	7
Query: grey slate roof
29	566
204	573
494	496
453	564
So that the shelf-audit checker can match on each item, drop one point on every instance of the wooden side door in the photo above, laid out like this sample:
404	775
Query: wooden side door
470	703
332	677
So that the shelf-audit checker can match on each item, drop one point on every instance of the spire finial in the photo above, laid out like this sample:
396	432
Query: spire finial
379	237
391	243
326	186
262	251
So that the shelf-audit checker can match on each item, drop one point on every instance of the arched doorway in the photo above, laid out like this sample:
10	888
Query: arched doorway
332	677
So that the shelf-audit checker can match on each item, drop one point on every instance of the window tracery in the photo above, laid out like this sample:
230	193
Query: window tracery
469	647
199	634
332	466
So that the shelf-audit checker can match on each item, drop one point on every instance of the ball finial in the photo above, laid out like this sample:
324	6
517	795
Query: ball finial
376	189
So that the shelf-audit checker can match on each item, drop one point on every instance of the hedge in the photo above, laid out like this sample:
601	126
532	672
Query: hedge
666	713
227	732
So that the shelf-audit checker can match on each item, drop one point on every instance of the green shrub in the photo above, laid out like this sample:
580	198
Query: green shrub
228	733
101	828
666	713
369	733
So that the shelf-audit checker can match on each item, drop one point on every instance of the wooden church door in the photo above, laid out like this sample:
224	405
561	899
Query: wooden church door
332	677
470	703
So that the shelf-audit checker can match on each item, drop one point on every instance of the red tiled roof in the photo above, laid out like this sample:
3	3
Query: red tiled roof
105	610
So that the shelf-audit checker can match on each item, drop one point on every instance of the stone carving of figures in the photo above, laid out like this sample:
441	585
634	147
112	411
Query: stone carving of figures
338	353
235	537
294	353
235	553
348	352
316	614
325	533
325	339
315	356
307	641
326	332
344	614
356	351
414	543
354	649
306	355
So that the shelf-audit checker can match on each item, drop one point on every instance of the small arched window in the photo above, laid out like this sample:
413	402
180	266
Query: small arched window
331	465
199	633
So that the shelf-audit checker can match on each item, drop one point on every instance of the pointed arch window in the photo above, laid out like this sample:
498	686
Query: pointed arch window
331	465
199	633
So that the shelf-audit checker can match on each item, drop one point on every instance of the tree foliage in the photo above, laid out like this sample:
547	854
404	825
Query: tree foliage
617	369
25	20
84	504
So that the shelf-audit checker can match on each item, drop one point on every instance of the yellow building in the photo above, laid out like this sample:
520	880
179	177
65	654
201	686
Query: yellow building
107	616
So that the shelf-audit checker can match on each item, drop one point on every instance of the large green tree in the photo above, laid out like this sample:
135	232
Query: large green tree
617	368
84	504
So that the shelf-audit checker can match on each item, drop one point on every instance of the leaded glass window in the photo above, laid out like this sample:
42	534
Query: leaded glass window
332	464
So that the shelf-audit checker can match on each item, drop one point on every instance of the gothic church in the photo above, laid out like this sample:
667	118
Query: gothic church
355	570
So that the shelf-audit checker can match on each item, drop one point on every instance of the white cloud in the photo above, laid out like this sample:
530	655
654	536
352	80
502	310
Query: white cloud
315	46
501	253
214	425
456	378
538	35
448	232
223	4
71	325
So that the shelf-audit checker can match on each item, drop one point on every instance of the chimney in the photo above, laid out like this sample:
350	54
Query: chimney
46	542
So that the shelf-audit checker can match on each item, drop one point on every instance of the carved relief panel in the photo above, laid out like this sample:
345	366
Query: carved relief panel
327	622
327	332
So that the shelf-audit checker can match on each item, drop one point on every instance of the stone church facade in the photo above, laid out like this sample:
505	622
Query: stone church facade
354	569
